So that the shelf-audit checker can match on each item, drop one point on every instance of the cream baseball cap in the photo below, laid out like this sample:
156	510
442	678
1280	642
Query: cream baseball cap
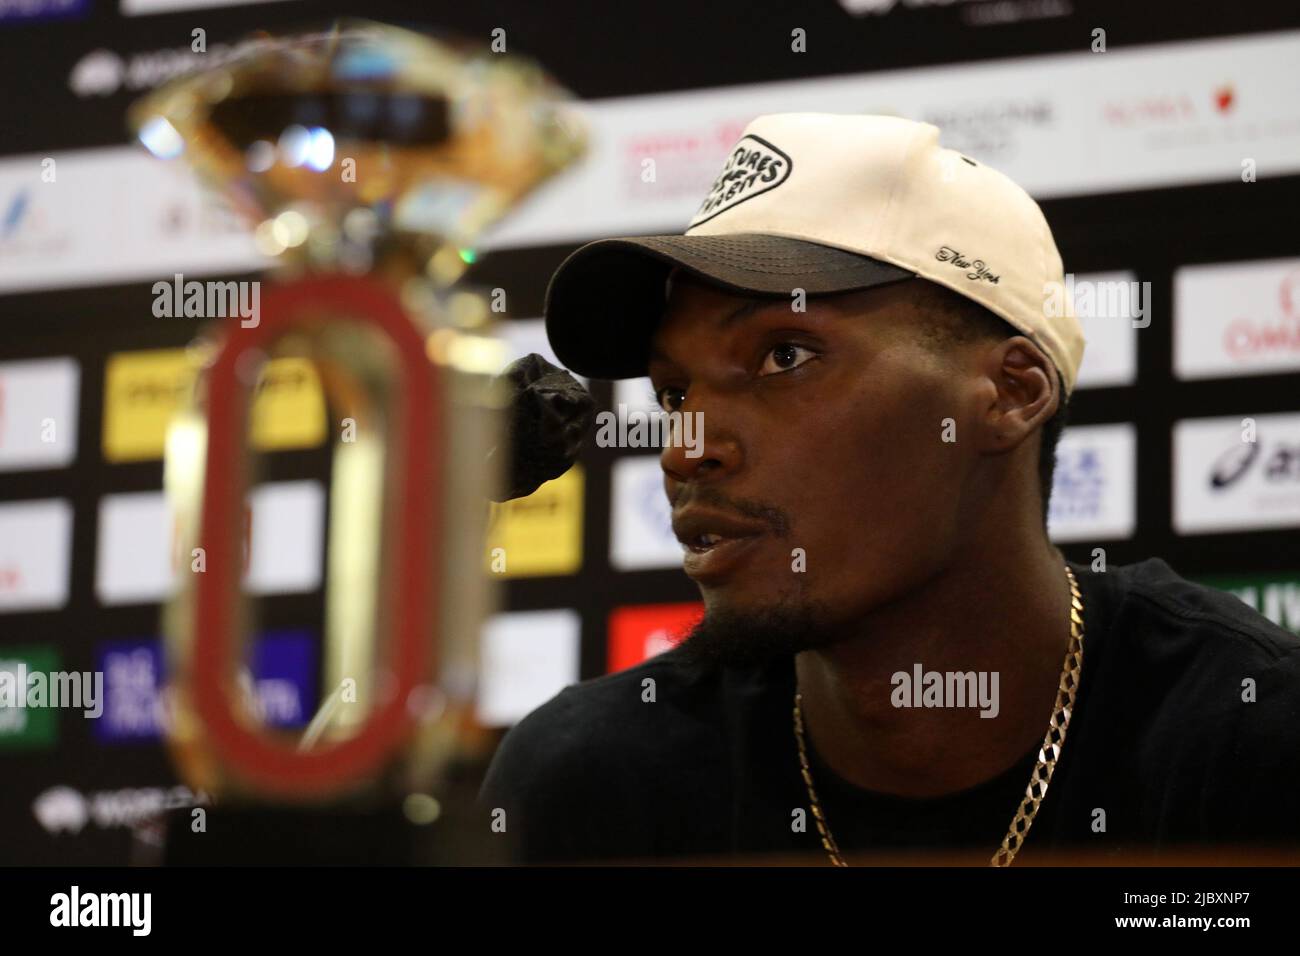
827	203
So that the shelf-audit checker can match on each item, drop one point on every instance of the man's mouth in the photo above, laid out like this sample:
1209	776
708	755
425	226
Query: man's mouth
704	542
711	563
714	543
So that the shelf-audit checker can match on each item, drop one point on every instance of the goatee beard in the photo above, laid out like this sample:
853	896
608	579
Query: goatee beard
757	637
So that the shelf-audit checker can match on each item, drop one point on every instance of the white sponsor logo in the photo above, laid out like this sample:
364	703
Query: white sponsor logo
992	131
868	7
684	156
1080	153
975	12
635	394
278	701
136	561
136	707
1237	319
35	549
526	658
1236	473
38	413
881	7
30	226
1094	486
136	8
113	215
641	532
1110	358
104	72
98	73
63	809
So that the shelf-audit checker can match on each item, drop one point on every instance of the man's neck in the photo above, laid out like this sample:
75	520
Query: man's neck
1005	611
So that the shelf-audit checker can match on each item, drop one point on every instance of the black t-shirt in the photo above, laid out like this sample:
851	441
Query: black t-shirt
1161	742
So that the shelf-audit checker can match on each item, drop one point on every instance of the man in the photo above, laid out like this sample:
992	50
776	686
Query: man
893	655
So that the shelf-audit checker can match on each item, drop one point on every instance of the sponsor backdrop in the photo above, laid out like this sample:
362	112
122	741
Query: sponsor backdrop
1168	165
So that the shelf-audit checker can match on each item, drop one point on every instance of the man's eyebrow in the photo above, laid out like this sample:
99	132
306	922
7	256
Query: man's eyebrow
744	310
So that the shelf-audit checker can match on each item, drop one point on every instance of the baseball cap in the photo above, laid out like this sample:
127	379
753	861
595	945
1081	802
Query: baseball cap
826	203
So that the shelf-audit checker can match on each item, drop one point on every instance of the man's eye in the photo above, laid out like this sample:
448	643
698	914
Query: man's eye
670	398
784	357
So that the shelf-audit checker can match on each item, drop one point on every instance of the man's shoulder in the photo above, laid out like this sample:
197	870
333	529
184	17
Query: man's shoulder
1221	677
579	776
1207	691
633	718
610	705
1213	623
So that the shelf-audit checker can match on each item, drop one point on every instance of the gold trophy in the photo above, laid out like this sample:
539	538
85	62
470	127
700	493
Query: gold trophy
370	159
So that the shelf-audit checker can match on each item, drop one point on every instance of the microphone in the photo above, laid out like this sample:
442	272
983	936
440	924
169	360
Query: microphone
548	415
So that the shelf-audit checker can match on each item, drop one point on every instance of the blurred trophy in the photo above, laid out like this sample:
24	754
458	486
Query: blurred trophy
370	159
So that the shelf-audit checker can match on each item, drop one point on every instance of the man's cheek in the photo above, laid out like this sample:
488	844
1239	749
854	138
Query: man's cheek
818	555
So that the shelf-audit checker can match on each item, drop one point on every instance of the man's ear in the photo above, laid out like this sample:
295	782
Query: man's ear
1024	394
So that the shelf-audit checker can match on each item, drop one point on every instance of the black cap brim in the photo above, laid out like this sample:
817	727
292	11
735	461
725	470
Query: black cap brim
603	303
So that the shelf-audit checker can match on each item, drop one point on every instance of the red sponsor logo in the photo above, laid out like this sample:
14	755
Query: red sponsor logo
712	144
11	578
685	160
1163	109
1224	97
1150	110
638	633
1249	338
1286	293
1246	338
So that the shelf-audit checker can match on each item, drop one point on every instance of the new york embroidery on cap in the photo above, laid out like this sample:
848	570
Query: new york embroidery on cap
977	267
753	167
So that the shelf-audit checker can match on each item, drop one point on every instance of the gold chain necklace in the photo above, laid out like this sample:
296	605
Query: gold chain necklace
1053	741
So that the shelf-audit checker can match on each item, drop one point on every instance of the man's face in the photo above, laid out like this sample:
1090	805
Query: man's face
824	472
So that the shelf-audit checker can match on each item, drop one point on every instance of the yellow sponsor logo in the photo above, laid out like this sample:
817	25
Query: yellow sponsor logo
289	410
143	390
541	534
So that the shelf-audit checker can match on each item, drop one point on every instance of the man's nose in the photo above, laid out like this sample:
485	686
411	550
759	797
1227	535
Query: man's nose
706	447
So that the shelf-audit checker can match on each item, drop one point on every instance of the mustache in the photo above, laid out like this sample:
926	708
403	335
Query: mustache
772	516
